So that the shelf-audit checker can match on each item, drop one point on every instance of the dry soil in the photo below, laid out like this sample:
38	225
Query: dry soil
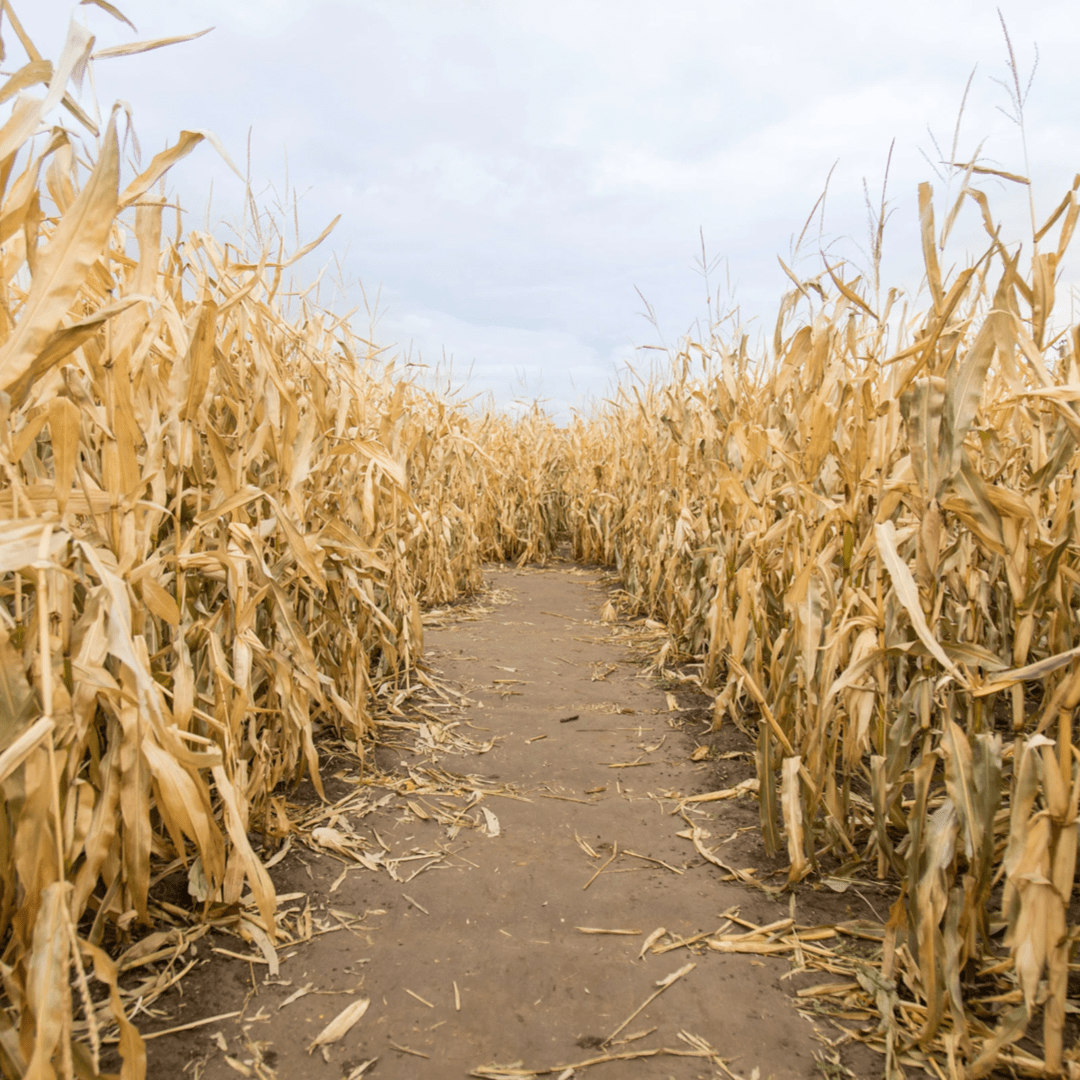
574	756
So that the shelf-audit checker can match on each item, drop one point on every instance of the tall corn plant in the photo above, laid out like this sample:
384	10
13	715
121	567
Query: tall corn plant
218	525
876	549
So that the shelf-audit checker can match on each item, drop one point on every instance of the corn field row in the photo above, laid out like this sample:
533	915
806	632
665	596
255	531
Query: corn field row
219	524
218	527
875	553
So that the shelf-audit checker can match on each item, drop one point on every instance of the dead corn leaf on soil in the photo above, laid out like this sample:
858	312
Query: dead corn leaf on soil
222	517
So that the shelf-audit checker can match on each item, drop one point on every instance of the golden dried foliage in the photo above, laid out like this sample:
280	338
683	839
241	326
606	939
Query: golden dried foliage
876	551
218	525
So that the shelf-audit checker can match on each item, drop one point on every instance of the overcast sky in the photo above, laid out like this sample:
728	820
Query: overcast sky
511	174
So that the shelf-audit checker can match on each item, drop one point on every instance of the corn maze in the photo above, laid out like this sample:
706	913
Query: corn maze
220	522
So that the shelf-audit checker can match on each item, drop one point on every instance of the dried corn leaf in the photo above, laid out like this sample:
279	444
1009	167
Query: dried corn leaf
340	1026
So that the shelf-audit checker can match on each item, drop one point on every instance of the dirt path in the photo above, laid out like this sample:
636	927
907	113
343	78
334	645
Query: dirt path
479	960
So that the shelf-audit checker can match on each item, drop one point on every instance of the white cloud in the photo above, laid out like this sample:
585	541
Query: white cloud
510	172
511	364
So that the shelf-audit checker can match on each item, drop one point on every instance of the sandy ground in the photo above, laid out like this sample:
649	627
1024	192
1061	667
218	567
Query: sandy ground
480	960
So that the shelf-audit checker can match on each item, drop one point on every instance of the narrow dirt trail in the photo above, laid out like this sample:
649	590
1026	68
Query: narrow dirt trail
479	960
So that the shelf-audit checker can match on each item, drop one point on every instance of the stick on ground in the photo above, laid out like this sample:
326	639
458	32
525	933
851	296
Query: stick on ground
664	984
